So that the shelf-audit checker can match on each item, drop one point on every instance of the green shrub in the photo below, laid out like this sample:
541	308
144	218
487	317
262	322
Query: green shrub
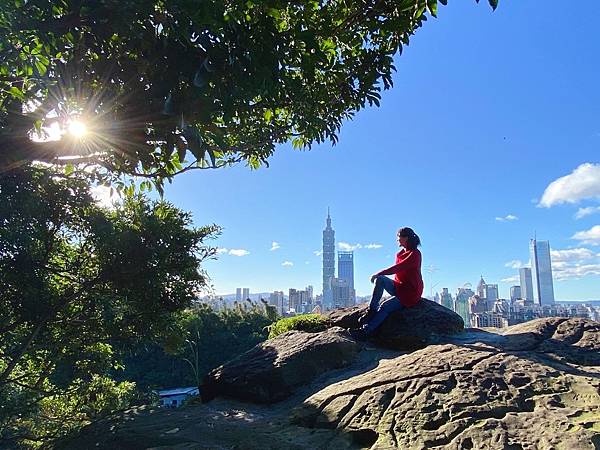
305	322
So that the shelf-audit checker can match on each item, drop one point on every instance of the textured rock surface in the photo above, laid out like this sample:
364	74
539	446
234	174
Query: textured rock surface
536	386
272	370
409	329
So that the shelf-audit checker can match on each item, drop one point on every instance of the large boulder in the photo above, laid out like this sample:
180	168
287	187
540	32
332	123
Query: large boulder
411	328
272	370
535	386
532	386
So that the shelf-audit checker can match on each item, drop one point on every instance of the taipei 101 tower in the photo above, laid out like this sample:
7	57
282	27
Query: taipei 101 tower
328	263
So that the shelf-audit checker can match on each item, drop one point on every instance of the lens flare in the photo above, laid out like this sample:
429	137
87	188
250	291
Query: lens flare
77	129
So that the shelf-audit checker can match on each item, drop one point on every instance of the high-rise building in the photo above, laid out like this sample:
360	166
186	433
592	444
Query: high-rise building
481	287
346	272
238	295
310	293
328	263
294	300
526	284
461	304
477	305
276	299
541	271
340	290
491	293
245	294
446	299
515	293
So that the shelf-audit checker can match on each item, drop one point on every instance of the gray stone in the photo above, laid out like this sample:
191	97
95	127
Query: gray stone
272	370
409	329
522	389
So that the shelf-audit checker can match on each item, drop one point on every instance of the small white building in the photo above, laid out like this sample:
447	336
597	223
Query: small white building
174	398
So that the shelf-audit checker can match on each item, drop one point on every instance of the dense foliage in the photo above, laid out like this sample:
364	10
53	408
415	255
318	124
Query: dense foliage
305	322
167	86
202	340
77	281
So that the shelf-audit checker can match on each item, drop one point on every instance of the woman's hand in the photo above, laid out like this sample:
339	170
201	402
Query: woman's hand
373	278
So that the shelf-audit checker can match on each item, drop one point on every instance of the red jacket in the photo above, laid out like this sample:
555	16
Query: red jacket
407	279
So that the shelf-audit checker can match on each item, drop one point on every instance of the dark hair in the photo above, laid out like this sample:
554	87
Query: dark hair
413	240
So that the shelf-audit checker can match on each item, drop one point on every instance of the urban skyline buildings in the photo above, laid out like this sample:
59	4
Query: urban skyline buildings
346	272
541	272
526	283
328	262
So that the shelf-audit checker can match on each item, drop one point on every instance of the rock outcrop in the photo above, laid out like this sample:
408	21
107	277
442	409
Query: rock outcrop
535	386
272	370
409	329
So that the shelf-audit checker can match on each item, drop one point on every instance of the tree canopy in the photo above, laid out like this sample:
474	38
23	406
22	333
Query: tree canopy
166	86
79	281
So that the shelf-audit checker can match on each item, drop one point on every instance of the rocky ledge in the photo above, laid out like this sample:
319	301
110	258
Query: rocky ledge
412	328
533	386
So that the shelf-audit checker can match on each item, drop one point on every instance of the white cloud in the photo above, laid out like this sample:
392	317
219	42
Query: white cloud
373	246
582	212
287	263
576	272
507	218
512	279
582	183
344	246
571	254
574	263
589	237
222	250
275	246
318	252
238	252
514	264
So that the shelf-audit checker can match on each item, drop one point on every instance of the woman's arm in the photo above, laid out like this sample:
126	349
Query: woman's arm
410	261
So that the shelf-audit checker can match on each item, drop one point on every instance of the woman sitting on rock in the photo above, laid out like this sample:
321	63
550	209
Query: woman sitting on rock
406	287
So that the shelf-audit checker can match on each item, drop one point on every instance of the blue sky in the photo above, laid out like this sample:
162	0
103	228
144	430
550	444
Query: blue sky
489	109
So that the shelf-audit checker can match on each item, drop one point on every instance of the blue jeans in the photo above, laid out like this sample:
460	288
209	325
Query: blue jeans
380	310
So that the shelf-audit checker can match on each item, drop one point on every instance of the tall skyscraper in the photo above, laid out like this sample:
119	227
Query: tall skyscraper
446	299
481	287
294	302
461	304
277	300
526	284
341	293
541	271
238	295
245	294
515	293
346	272
328	262
491	293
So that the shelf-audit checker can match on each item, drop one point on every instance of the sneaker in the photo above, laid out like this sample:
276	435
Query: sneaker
358	334
364	319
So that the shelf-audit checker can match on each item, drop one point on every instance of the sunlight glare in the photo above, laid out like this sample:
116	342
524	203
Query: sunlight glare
77	129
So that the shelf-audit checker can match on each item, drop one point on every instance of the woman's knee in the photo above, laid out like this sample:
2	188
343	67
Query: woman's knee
380	279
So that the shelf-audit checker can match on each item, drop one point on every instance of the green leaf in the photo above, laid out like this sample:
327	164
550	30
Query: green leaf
268	115
432	7
69	169
41	68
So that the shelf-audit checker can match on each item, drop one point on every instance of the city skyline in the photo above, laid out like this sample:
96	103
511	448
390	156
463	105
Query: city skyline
476	161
